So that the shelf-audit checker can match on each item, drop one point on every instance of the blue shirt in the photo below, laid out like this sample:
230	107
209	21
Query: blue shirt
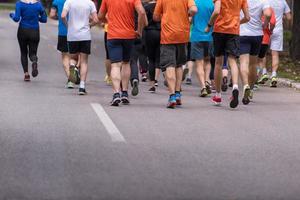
200	21
59	5
30	14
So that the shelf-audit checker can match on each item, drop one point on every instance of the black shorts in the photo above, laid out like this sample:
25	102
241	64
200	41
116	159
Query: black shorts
263	50
172	55
226	43
189	52
250	45
120	49
62	44
105	45
79	47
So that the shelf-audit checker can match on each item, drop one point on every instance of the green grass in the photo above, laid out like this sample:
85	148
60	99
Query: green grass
7	6
289	69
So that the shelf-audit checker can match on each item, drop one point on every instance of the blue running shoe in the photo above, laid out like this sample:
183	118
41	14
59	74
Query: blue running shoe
178	98
172	102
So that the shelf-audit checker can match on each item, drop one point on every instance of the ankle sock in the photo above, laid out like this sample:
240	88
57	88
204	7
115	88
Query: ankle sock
82	84
235	87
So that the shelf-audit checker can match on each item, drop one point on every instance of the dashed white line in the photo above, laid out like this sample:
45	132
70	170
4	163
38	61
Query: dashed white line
111	128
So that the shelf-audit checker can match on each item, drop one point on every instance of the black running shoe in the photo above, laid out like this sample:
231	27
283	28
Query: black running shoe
156	83
208	87
135	87
82	91
152	90
124	98
234	98
224	86
35	71
116	100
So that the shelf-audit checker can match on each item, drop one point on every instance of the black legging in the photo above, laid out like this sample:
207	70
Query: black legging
152	38
29	41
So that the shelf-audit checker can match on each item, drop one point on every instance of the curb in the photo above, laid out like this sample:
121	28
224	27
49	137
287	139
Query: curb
289	83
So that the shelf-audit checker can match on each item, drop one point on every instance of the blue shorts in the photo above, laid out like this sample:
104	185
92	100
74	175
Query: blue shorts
201	50
119	50
250	45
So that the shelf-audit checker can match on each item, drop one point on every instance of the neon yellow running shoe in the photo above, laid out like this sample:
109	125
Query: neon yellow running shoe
273	82
263	79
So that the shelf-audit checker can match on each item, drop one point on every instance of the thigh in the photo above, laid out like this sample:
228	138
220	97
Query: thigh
167	56
255	45
219	44
115	50
127	48
181	54
233	45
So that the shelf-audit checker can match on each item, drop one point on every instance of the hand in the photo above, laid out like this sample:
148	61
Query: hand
138	34
11	15
207	29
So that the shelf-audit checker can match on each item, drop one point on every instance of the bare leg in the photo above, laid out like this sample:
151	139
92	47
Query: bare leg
234	70
275	61
83	66
108	67
179	74
200	72
125	74
252	70
171	79
207	68
244	68
218	73
190	66
116	76
66	63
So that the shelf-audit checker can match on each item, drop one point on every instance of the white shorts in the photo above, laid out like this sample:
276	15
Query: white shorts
277	41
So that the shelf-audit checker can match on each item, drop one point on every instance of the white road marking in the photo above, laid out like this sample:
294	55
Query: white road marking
111	128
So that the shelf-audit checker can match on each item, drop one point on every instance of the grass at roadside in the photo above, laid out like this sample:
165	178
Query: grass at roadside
7	6
289	69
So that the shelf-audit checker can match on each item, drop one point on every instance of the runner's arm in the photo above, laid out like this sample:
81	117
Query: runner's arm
17	15
64	17
192	8
267	14
142	18
245	11
43	15
53	13
157	11
94	18
288	16
214	15
102	12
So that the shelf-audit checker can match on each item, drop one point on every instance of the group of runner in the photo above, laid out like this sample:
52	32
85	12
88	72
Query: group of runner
164	35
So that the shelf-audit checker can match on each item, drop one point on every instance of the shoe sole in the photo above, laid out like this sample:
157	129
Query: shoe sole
216	103
82	93
178	103
135	89
246	98
35	71
235	101
273	84
125	101
172	105
116	102
263	81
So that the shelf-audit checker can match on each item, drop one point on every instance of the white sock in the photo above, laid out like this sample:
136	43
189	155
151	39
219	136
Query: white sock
82	84
218	94
274	74
264	71
235	86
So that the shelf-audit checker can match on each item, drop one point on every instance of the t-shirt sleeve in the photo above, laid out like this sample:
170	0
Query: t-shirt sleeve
54	4
103	7
244	4
286	8
191	3
93	7
67	5
158	8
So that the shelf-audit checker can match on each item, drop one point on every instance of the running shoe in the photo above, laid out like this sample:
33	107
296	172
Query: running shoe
144	77
172	102
224	86
116	100
247	93
105	78
263	79
156	83
69	85
217	100
74	74
35	71
82	91
152	90
251	94
27	78
188	81
124	98
185	72
109	81
234	98
135	87
208	87
203	92
274	81
256	87
178	98
166	83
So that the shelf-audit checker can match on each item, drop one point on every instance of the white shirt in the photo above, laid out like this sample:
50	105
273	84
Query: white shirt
254	26
79	12
280	8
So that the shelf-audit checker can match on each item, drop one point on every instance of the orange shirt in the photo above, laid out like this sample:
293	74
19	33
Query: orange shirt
120	18
175	25
267	31
228	20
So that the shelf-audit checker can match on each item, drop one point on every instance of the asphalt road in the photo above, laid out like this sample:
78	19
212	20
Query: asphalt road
54	146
